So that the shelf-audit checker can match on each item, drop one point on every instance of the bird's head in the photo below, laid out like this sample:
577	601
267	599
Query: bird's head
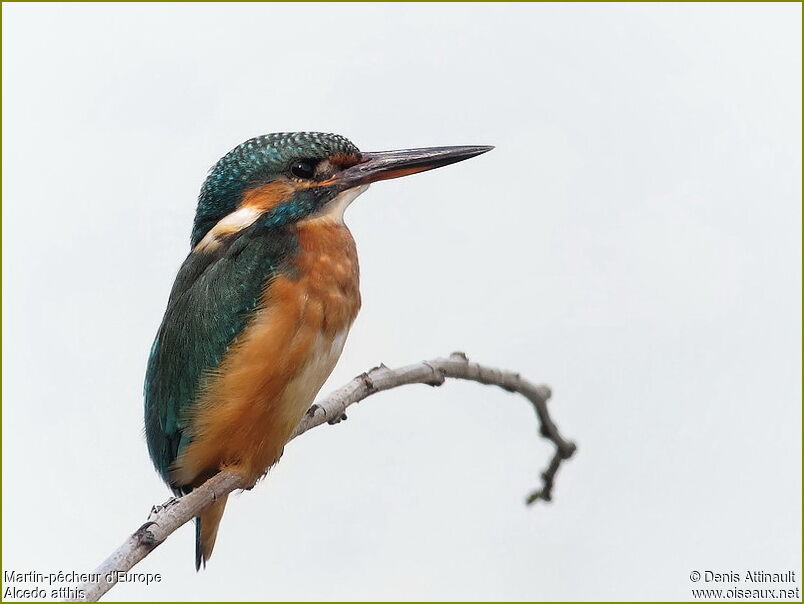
283	178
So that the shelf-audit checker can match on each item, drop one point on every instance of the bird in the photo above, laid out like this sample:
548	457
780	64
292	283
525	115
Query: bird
261	307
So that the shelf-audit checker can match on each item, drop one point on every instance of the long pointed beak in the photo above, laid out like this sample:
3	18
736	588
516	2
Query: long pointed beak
382	165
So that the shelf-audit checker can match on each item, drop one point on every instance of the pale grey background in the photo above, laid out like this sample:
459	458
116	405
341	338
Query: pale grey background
634	241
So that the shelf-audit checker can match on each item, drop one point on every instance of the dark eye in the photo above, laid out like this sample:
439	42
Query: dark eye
302	169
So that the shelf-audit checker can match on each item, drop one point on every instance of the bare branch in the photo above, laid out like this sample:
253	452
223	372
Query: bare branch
166	518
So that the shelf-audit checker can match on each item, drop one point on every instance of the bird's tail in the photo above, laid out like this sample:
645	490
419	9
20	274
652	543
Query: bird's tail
206	529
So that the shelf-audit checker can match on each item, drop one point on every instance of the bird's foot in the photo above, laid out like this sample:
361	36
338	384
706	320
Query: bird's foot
158	509
144	536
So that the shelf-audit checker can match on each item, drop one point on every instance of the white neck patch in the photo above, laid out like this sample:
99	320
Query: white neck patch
231	223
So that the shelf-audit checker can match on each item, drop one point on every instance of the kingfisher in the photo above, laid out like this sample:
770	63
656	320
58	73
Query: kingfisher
260	309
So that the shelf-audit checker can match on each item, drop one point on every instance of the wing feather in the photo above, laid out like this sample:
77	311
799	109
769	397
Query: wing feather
211	301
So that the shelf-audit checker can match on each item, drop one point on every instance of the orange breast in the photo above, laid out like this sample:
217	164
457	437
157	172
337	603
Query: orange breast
271	375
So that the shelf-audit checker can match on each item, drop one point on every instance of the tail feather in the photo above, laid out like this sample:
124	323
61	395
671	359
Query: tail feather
206	530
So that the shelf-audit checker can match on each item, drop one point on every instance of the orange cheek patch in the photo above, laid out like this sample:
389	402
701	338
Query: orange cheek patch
268	196
255	203
274	193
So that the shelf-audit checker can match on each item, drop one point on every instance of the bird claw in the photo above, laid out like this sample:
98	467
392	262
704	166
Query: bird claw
144	536
336	420
158	509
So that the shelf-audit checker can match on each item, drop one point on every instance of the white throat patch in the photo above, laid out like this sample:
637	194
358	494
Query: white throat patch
334	209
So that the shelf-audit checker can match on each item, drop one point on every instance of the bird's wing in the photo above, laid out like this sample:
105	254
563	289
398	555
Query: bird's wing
212	299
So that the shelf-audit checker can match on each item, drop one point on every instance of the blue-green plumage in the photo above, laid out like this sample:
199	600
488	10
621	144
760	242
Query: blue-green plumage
210	304
218	290
215	291
248	231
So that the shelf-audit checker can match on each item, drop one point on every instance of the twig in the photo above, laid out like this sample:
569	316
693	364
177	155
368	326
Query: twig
166	518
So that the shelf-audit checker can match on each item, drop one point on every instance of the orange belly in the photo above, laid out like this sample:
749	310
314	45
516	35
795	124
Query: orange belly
270	376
